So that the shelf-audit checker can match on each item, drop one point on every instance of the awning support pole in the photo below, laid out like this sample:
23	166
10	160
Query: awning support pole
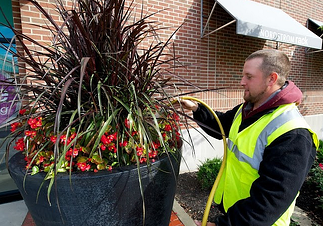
208	20
203	28
201	18
315	51
227	24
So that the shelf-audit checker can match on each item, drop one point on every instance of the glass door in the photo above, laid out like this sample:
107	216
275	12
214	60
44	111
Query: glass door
8	190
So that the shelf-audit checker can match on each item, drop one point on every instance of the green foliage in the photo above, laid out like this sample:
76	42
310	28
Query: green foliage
101	97
319	154
96	96
94	76
316	173
293	223
208	171
317	178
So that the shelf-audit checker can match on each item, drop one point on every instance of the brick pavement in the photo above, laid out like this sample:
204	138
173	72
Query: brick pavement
174	220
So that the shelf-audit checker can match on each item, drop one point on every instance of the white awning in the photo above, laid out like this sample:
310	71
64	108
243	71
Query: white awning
318	23
262	21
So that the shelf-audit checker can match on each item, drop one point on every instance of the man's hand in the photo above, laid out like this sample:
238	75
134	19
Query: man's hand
199	223
189	105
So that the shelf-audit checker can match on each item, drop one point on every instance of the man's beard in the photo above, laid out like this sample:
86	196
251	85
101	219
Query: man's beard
253	99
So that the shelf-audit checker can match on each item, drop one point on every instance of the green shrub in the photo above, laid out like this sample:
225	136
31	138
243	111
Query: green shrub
316	173
319	154
317	179
208	171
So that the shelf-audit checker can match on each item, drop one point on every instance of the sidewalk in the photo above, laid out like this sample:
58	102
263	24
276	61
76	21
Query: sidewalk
16	214
174	220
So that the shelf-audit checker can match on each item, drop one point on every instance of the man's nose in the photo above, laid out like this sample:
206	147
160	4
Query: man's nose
242	81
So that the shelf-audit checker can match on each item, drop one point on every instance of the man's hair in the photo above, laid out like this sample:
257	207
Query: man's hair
273	61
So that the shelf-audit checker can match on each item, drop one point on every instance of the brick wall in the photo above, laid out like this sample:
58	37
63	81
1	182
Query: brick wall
216	61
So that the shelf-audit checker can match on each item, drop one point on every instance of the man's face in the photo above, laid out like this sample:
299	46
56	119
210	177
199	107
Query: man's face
254	83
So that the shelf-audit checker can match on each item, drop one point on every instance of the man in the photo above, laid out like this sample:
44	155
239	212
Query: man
270	146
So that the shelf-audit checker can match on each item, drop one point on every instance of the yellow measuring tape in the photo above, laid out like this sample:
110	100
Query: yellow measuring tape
216	182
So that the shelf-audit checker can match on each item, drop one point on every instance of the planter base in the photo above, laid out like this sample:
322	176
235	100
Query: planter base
102	198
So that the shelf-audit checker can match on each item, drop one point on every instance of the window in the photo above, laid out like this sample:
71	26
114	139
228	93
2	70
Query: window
8	190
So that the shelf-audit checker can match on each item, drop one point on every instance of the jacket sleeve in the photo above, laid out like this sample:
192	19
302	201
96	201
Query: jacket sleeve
208	123
286	163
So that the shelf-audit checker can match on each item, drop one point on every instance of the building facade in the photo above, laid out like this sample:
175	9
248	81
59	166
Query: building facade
211	48
215	60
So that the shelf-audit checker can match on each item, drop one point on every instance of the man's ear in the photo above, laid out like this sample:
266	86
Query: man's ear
273	77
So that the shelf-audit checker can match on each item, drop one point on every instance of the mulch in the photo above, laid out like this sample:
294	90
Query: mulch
192	198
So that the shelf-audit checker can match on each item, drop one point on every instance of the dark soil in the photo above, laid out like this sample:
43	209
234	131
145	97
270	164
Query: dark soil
307	201
193	198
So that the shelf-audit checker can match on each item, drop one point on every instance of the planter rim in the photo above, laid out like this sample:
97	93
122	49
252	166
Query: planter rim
119	170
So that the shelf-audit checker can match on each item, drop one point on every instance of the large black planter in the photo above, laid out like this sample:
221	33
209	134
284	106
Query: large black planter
103	198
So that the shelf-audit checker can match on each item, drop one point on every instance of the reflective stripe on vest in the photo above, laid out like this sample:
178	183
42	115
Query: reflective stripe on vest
245	153
262	141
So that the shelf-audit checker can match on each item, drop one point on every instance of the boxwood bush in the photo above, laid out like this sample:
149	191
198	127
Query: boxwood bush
208	171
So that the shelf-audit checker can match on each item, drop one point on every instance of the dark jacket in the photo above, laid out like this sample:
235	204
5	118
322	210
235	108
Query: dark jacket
285	165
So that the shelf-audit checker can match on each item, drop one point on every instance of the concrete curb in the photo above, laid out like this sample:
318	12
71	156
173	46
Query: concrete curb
301	217
182	215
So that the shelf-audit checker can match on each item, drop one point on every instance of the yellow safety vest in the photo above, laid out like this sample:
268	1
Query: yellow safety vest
245	153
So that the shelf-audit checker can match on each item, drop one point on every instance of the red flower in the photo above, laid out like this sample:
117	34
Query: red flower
39	122
83	166
30	133
113	136
62	138
123	144
41	159
20	145
156	145
168	128
39	135
153	154
28	160
75	152
139	151
68	155
72	152
321	166
22	111
103	147
71	138
104	139
48	164
178	136
15	125
142	160
53	138
127	123
35	122
112	147
175	117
